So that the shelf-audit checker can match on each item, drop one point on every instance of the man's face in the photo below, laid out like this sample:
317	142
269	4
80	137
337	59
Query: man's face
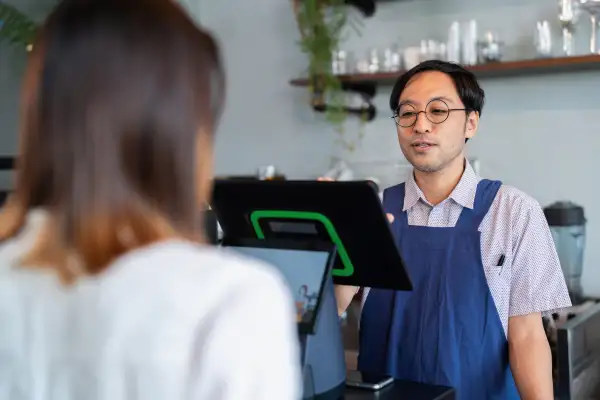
430	146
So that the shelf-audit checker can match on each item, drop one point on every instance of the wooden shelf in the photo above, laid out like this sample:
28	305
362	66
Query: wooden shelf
491	70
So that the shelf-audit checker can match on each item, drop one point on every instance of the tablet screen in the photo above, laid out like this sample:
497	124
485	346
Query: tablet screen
303	271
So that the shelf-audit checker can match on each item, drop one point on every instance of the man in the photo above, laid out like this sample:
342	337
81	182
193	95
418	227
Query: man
479	253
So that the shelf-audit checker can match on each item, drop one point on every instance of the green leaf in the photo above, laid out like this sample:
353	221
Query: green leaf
321	23
15	27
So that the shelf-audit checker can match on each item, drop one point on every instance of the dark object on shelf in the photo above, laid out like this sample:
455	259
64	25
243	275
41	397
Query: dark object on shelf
7	163
368	113
366	7
491	70
366	89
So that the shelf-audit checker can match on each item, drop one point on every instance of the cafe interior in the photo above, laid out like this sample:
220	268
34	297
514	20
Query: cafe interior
304	104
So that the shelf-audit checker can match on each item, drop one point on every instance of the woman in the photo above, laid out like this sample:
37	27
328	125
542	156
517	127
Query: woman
106	288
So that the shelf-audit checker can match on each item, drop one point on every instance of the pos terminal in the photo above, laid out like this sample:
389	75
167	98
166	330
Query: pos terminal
306	268
347	215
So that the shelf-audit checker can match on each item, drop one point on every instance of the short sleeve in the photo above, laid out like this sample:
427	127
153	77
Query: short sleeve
537	282
251	349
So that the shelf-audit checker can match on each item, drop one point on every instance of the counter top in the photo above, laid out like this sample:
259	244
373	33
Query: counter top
404	390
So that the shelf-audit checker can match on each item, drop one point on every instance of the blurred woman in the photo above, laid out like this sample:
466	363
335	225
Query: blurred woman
107	290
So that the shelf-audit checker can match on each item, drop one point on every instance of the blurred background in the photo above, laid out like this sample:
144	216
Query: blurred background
539	127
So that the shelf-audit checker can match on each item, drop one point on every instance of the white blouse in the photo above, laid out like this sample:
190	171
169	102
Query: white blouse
171	321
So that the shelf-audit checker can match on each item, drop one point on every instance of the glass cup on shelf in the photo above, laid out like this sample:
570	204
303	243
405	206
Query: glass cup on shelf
568	16
592	7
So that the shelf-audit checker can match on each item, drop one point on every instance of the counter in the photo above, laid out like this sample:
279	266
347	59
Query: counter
404	390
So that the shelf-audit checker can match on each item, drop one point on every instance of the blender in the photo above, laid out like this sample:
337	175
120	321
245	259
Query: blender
567	224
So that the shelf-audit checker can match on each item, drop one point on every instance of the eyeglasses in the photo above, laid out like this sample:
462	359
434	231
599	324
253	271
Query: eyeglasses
437	111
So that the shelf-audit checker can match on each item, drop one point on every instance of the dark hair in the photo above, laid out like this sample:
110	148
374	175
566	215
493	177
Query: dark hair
469	91
116	97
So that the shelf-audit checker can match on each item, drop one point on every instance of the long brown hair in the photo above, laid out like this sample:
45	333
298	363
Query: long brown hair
117	98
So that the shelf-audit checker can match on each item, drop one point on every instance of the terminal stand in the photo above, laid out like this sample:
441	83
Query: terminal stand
320	337
347	214
323	359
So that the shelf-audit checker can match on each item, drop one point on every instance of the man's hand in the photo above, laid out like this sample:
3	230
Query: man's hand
530	357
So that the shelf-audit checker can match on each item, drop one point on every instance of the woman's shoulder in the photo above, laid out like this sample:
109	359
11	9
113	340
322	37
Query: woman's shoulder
184	284
188	260
188	270
171	281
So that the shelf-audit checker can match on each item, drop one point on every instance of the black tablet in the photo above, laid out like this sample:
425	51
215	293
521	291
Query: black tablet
347	214
304	265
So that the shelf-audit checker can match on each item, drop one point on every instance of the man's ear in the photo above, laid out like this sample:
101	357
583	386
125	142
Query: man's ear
472	124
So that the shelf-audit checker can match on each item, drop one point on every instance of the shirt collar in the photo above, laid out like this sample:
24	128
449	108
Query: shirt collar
463	194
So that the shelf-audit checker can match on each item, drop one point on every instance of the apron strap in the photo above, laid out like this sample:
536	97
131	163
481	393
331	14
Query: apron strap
484	197
393	203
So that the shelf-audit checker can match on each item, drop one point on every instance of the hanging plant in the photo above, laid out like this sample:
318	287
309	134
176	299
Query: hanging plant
15	27
321	24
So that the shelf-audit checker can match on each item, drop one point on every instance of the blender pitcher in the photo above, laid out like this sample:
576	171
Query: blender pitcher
567	224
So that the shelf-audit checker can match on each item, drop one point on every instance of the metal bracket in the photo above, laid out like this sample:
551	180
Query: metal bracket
366	7
366	90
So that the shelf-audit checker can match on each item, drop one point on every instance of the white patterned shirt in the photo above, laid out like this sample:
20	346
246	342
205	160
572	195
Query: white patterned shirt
530	279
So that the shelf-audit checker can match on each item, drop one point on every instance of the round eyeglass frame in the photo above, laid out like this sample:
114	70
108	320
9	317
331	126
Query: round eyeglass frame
396	115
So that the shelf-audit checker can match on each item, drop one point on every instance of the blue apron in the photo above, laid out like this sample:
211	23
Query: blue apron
447	330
